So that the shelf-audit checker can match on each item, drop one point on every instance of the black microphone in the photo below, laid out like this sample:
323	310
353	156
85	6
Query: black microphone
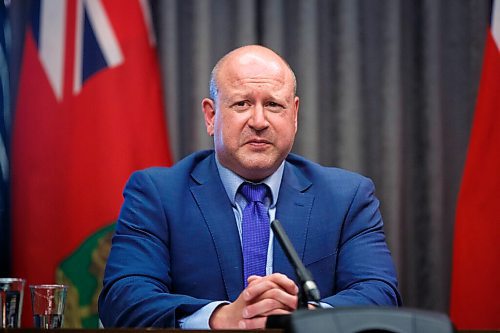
308	290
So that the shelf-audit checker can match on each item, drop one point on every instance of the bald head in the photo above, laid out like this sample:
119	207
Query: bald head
249	57
252	112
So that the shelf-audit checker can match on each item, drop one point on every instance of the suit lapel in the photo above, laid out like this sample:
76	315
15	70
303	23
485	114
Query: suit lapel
293	210
215	206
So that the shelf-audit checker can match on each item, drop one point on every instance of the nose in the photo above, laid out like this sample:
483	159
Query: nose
258	120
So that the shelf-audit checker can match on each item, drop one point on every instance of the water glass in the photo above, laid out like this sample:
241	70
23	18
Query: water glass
47	301
11	302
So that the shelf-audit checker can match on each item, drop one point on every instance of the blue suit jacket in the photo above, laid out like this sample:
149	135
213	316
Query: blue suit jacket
177	248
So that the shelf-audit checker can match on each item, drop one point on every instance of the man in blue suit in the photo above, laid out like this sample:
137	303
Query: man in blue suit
181	255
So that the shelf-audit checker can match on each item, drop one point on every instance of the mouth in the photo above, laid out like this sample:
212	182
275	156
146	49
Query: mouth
258	143
257	140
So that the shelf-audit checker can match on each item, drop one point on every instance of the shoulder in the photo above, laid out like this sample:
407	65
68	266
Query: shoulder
318	173
328	184
178	173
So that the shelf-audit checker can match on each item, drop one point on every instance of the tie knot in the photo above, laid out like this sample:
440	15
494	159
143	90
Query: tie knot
254	192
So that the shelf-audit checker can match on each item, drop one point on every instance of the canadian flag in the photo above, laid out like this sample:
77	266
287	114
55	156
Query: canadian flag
89	113
475	297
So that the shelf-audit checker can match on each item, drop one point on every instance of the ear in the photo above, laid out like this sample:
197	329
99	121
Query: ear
296	103
208	107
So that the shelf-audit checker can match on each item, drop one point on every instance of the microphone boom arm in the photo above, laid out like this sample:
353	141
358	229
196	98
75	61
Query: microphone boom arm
308	290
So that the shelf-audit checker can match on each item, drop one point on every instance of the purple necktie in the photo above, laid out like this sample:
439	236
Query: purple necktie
254	230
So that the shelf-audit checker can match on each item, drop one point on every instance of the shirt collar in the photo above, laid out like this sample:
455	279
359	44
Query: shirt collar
232	181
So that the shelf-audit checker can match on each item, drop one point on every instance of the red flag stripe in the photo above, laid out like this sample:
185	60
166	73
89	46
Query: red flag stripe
71	157
475	302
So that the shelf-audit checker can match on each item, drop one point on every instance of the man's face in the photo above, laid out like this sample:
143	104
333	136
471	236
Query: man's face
254	117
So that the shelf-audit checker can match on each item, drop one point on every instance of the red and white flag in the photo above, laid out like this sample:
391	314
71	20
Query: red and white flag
89	113
475	296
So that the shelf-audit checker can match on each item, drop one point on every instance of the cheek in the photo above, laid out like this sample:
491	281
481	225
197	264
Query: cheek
227	131
233	123
286	126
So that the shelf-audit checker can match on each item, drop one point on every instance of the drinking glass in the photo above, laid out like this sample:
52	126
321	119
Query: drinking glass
47	301
11	302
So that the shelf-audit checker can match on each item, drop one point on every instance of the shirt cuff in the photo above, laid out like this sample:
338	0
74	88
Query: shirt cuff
321	305
200	319
325	305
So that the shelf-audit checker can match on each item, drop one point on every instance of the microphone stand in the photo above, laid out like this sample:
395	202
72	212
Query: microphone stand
308	291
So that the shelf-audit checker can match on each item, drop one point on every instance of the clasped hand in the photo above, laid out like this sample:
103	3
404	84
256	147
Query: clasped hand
264	296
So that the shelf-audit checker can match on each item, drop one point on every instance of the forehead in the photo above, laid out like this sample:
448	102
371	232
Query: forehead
255	70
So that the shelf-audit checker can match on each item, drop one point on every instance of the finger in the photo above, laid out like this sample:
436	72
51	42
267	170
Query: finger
277	312
312	307
260	322
267	305
261	307
252	278
253	323
260	285
289	301
280	280
262	304
285	283
257	287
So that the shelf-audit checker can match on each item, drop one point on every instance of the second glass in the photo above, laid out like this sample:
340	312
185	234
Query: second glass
47	302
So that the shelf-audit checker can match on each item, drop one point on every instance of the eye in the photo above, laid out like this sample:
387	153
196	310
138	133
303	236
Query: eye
241	105
274	106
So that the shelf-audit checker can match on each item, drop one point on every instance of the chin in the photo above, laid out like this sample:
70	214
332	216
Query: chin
256	170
